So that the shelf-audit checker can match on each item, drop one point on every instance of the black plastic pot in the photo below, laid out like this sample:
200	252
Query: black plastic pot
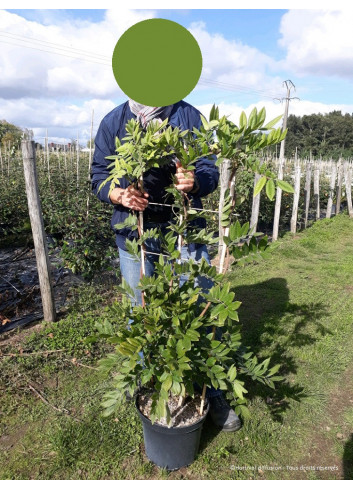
171	448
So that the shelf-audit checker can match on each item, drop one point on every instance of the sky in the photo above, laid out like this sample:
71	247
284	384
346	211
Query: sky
55	65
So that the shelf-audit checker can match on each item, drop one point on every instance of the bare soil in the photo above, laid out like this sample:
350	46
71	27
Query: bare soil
20	298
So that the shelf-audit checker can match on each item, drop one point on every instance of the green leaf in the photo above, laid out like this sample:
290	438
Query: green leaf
110	403
210	361
274	369
146	376
285	186
270	189
261	116
232	373
223	315
214	113
186	343
167	384
239	389
260	185
272	123
242	120
193	335
204	122
217	369
243	411
253	118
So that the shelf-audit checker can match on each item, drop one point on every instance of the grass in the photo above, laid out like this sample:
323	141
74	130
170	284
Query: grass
296	307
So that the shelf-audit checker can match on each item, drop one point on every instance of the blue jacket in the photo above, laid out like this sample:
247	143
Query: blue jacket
184	116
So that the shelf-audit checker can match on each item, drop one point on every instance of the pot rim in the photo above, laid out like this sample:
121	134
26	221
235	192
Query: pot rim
175	429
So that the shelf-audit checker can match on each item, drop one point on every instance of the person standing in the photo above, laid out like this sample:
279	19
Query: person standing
155	203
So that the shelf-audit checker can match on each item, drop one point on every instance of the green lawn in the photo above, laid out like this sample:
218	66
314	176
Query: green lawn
297	307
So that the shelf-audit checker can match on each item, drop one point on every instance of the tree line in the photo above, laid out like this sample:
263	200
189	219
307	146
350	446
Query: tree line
323	136
10	135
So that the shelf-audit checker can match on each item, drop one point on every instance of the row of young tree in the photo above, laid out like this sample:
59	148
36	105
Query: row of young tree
316	135
323	136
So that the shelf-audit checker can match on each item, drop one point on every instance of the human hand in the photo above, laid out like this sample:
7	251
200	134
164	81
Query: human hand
184	179
130	197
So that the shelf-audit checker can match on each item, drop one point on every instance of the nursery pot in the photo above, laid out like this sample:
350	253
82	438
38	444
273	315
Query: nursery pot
171	448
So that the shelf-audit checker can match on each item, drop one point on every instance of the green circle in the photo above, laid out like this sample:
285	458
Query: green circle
157	62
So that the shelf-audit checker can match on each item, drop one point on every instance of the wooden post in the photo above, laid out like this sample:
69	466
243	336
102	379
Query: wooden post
278	201
8	160
71	157
293	222
58	156
47	153
2	167
332	189
317	189
339	186
255	207
89	164
348	184
307	190
39	237
65	164
226	231
224	181
276	217
90	147
77	161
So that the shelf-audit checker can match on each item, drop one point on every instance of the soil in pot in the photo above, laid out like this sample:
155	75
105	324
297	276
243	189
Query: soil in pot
185	415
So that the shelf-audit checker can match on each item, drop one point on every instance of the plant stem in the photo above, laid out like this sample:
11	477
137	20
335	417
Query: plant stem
205	309
204	385
203	399
143	249
180	239
181	218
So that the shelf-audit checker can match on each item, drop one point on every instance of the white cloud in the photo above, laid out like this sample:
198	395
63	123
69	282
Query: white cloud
29	72
61	120
42	90
30	68
273	109
232	62
318	42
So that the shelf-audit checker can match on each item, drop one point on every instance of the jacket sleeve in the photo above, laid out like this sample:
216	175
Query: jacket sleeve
104	146
207	175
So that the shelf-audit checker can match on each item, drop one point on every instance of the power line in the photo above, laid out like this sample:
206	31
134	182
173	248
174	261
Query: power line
53	52
61	47
235	87
75	53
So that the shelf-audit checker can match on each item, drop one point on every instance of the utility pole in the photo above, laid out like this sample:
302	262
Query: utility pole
289	84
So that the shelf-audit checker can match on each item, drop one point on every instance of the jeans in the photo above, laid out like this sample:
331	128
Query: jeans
130	271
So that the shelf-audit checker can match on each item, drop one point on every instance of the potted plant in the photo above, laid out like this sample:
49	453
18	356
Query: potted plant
189	338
